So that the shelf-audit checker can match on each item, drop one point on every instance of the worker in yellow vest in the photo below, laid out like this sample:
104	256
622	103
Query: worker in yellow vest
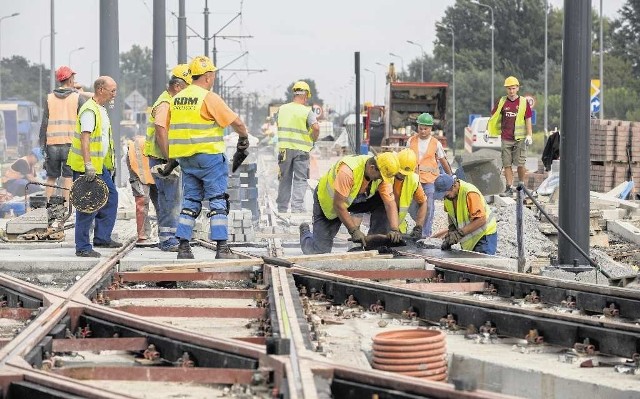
471	222
407	190
353	185
298	129
143	188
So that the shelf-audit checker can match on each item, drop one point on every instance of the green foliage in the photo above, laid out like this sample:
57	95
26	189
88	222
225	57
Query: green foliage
626	34
621	102
20	79
135	72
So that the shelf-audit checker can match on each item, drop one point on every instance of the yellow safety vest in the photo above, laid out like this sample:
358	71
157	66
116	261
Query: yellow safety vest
62	118
325	186
494	126
139	163
151	148
292	127
462	217
99	156
409	187
189	132
428	164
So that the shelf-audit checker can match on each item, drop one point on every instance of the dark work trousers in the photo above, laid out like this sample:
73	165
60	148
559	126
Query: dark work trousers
320	241
294	172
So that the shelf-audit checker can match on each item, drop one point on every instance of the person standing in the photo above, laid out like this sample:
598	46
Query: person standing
143	187
57	127
429	152
511	120
197	118
471	222
156	149
92	154
22	172
298	129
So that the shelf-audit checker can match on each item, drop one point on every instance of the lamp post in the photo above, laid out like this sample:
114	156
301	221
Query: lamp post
421	59
92	64
546	69
601	65
15	14
73	51
40	80
401	62
493	28
453	83
375	99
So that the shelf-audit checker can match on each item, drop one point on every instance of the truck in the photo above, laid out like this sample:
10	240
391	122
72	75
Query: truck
476	138
22	127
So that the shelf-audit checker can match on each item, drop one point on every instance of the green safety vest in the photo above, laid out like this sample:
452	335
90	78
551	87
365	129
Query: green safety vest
151	148
409	187
190	133
494	126
292	127
462	217
99	156
325	186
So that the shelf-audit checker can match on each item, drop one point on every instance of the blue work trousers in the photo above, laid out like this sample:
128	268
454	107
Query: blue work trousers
169	195
105	217
204	177
427	224
487	244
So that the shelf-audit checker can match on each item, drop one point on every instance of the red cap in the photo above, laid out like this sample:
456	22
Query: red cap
64	73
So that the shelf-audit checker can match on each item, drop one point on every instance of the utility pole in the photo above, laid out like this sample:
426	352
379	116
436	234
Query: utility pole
158	70
52	73
206	29
182	33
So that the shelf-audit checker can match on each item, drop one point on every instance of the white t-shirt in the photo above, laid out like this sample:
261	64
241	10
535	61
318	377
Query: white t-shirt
88	123
424	144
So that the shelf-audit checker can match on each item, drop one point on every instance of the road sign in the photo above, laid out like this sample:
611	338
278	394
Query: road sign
534	117
317	109
595	88
531	100
595	105
136	101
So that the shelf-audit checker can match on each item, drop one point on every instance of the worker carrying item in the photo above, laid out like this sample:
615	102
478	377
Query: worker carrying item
143	187
355	184
21	172
197	119
407	191
471	223
298	129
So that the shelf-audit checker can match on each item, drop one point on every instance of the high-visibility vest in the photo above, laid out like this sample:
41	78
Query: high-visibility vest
292	127
151	148
494	126
99	156
462	217
326	191
428	164
63	113
139	163
11	174
409	187
190	133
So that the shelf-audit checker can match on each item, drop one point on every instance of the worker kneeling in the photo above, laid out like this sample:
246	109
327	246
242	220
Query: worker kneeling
353	185
471	223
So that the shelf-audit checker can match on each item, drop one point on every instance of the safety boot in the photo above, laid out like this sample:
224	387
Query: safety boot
184	250
224	252
304	230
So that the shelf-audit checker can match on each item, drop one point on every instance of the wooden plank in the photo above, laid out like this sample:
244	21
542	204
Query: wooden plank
332	256
185	293
186	311
187	275
202	265
202	375
100	344
444	287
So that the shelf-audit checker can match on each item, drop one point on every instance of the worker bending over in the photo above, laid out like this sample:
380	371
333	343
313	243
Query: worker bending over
353	185
471	223
407	190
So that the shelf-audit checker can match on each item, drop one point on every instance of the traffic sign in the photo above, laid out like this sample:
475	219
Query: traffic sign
595	88
317	109
531	100
595	105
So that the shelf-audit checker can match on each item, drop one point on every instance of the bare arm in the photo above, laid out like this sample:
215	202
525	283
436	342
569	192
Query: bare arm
445	166
340	206
475	224
162	139
422	213
84	146
529	127
392	214
315	131
239	127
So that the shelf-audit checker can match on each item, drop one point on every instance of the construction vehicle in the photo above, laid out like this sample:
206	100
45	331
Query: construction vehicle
22	127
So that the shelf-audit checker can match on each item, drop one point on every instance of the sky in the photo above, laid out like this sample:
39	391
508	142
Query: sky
315	40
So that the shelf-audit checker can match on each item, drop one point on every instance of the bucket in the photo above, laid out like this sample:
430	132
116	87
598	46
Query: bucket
364	149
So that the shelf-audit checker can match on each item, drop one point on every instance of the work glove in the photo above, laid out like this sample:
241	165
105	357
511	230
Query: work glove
416	232
528	140
394	236
89	171
357	235
243	143
454	237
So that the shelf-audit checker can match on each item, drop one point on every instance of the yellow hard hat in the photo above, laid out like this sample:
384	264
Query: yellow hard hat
408	161
511	81
182	71
388	165
201	65
302	85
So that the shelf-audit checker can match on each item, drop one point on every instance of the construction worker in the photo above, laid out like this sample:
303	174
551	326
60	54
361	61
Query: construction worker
298	129
143	187
57	127
407	190
429	152
197	119
156	149
353	185
22	172
511	120
92	154
471	222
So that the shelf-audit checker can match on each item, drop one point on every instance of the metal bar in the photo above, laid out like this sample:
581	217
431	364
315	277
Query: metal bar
202	375
184	311
520	230
252	340
445	287
16	313
358	138
178	276
387	274
185	293
97	344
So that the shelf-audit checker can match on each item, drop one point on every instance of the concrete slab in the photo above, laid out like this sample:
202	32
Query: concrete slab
625	229
38	259
503	201
140	257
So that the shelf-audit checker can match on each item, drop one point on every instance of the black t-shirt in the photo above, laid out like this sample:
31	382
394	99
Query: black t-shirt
22	166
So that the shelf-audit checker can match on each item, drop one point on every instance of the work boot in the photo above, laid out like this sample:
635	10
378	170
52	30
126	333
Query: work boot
508	192
304	230
184	250
224	252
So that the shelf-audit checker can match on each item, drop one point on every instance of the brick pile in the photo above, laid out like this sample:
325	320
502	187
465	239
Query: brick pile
609	142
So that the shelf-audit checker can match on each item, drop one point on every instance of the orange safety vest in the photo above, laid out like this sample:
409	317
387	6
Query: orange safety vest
138	161
11	174
428	165
63	113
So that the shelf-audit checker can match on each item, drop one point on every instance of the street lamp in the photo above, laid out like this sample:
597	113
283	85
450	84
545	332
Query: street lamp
401	61
493	28
453	83
73	51
15	14
375	100
421	58
40	80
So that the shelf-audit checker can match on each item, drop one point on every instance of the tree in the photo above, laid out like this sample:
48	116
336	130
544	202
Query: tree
315	95
135	72
626	35
20	79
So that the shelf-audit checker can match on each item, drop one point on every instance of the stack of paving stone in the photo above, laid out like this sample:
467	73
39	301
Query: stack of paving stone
243	189
241	226
609	143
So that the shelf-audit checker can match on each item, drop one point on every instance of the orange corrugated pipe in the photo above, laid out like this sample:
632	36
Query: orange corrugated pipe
417	353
